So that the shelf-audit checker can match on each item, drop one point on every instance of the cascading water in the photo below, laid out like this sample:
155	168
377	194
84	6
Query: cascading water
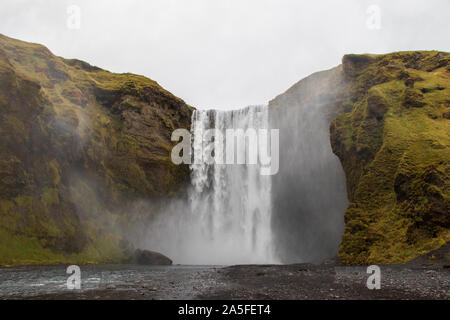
227	219
234	215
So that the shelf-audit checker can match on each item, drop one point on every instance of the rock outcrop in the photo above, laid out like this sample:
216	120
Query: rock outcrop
79	145
395	148
390	129
151	258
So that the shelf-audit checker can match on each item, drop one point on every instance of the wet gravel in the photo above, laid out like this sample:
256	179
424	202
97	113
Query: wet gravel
307	281
107	282
297	281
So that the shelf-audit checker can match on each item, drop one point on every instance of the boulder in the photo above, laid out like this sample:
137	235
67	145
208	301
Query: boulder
147	257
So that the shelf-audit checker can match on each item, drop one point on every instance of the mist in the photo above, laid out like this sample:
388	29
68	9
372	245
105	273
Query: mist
233	215
309	195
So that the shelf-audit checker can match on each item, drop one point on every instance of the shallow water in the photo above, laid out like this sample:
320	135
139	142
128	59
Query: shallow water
178	281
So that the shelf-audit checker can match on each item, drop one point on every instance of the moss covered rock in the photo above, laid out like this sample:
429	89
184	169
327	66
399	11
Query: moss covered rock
79	144
389	126
394	145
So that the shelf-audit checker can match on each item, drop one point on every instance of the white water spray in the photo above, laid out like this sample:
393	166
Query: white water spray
227	219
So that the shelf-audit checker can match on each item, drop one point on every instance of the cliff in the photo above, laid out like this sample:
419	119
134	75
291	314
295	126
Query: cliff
394	145
389	126
79	145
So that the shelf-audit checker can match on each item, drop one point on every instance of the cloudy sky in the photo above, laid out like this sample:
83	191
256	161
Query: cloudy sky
225	53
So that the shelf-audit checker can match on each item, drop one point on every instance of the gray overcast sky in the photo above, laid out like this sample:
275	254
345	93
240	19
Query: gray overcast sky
226	53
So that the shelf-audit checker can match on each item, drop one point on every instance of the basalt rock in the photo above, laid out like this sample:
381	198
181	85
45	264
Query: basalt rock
147	257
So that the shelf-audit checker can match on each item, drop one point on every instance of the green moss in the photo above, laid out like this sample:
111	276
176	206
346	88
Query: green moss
17	250
50	196
396	161
22	250
9	217
24	201
62	120
131	102
53	168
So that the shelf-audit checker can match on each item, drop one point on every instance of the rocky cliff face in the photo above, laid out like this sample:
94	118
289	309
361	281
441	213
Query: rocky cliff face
394	145
390	129
79	145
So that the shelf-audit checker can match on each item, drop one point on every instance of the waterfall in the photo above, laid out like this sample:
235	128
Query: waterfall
227	217
234	215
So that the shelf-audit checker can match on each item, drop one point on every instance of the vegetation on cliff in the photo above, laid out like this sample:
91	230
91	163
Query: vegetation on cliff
392	136
389	125
78	145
